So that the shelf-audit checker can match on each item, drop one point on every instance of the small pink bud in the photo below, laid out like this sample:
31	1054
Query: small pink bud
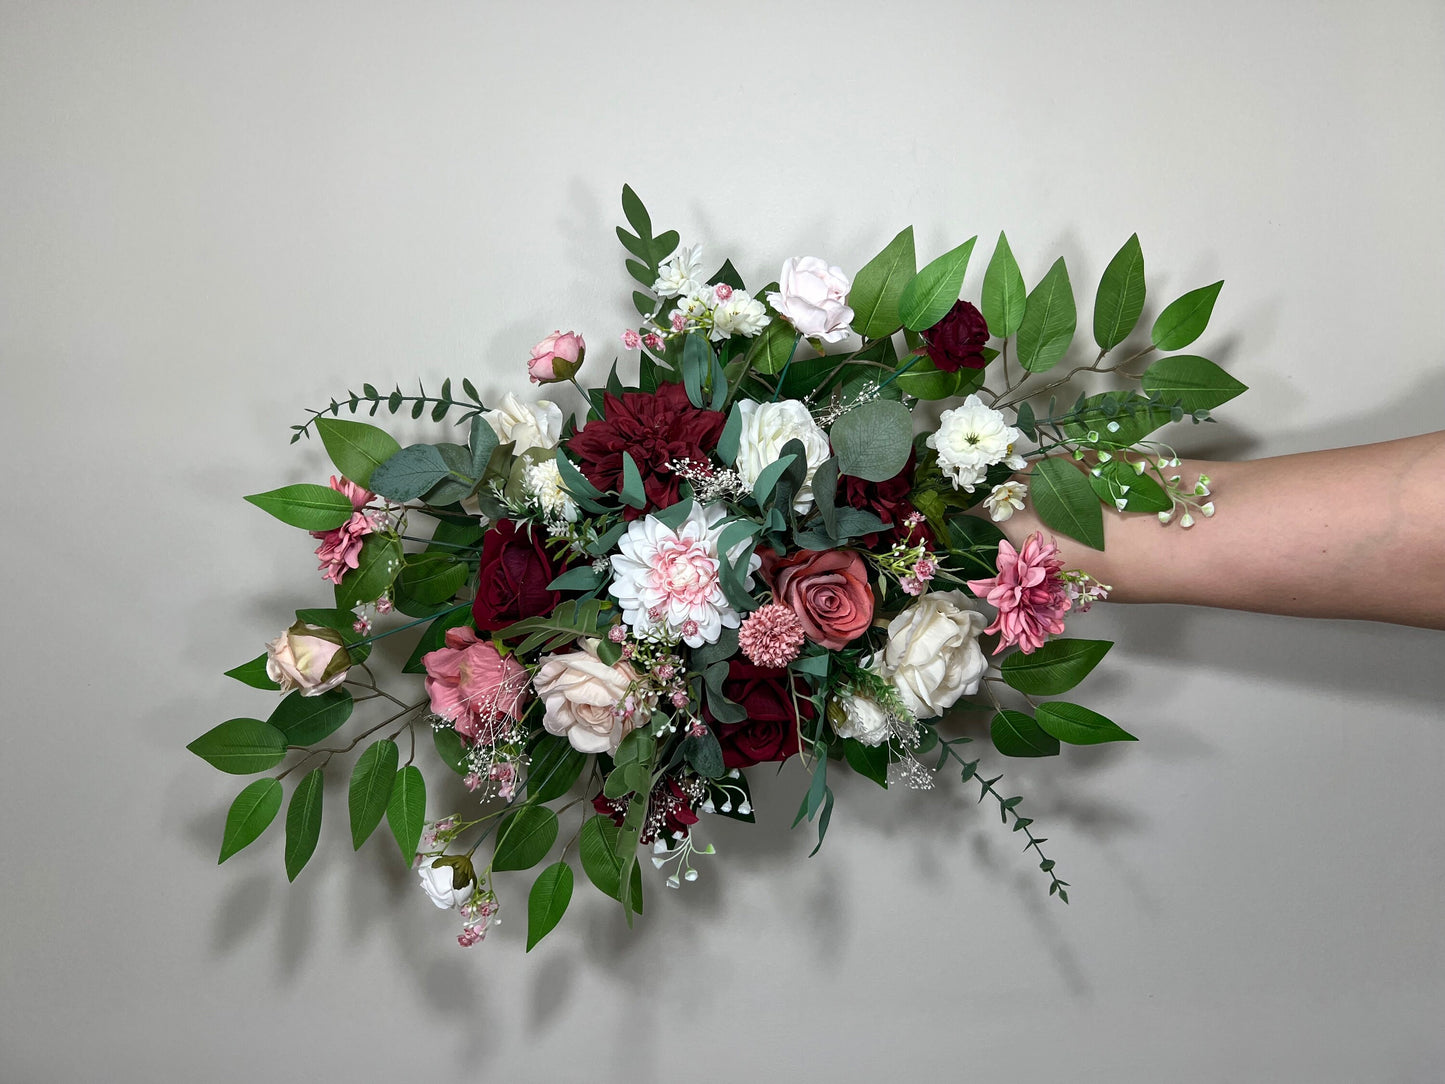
617	633
723	291
631	340
473	781
652	341
679	699
384	605
679	321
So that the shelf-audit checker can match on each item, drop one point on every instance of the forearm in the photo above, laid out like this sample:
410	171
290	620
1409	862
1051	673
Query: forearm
1346	533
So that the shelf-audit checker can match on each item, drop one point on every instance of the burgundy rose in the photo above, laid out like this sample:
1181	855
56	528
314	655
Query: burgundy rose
771	729
669	807
957	341
513	577
654	428
827	589
888	500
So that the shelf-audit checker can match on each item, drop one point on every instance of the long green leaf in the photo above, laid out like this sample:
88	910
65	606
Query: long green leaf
406	810
303	822
371	783
306	720
1049	321
1054	668
1184	319
878	286
356	448
1196	382
250	814
241	746
376	567
931	293
1065	502
1004	295
1120	299
254	674
547	902
1015	734
312	508
1078	725
524	837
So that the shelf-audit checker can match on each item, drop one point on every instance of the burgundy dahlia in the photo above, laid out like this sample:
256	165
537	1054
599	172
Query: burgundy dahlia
957	341
655	428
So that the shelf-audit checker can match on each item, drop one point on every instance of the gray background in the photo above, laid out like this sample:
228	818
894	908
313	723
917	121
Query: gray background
212	216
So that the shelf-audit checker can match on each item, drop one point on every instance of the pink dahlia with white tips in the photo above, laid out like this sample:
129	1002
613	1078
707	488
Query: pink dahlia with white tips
1029	593
667	580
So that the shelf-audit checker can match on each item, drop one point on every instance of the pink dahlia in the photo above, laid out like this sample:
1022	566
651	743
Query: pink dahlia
341	546
1029	593
772	635
474	686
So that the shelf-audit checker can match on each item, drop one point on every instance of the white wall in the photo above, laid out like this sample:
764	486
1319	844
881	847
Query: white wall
214	215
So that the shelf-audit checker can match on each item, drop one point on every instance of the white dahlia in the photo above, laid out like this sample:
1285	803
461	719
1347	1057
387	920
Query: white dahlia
970	439
667	581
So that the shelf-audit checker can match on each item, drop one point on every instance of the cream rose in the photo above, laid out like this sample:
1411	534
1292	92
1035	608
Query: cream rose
933	657
528	425
859	717
584	699
766	428
436	882
309	658
813	296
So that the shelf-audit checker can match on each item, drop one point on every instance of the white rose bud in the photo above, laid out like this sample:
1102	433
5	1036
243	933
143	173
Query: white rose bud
766	428
933	657
436	882
814	297
859	717
307	657
529	425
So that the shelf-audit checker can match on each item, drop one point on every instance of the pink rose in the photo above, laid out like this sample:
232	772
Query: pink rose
474	686
557	357
309	658
813	296
827	589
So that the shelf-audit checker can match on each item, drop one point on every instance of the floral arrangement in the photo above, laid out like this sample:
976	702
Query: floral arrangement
764	549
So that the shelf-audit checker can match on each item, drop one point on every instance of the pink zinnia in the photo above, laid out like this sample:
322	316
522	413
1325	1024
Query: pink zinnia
771	636
473	686
341	546
1028	592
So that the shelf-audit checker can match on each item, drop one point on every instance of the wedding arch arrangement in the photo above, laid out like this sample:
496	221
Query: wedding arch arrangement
760	550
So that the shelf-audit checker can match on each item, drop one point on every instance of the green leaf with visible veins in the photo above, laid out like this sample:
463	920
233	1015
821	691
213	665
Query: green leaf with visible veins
371	783
303	822
878	286
250	814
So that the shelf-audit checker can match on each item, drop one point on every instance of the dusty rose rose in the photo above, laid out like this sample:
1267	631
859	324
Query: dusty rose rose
827	589
585	698
473	686
307	657
557	357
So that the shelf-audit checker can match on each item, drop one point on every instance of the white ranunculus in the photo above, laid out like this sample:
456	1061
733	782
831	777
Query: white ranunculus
766	428
970	439
529	425
681	273
861	718
933	657
740	314
584	698
436	882
813	295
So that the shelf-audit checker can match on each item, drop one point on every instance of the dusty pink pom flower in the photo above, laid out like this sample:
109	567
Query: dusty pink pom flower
723	291
341	546
925	568
1028	592
617	633
771	636
473	686
679	699
631	340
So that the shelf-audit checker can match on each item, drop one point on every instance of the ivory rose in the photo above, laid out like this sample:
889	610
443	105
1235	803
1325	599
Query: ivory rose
307	657
585	699
436	882
814	297
557	357
527	425
766	428
933	657
859	717
827	589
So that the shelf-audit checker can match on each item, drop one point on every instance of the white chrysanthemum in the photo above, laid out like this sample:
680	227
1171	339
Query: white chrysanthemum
766	428
740	314
1006	499
681	273
696	304
970	439
667	581
543	482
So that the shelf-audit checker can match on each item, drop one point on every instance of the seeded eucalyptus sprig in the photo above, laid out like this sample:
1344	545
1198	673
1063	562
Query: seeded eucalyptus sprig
441	404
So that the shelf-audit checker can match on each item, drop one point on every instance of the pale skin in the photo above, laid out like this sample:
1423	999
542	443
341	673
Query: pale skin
1346	533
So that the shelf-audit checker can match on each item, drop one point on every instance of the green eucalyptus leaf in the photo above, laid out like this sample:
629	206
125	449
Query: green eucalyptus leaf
633	493
409	473
250	814
872	441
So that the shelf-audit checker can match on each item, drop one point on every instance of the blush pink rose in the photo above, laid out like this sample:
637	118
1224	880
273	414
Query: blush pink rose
307	657
557	357
474	686
827	589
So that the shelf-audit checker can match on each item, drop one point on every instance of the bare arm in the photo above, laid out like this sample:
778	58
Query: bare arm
1347	533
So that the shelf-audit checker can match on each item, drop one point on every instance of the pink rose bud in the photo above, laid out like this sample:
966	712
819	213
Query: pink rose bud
307	657
631	340
557	357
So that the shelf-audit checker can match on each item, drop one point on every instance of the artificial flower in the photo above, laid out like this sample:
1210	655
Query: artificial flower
557	357
970	439
309	658
813	296
526	425
766	427
473	686
860	717
681	273
436	882
775	701
585	700
739	314
827	589
1005	499
1029	593
340	548
512	576
957	341
932	656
